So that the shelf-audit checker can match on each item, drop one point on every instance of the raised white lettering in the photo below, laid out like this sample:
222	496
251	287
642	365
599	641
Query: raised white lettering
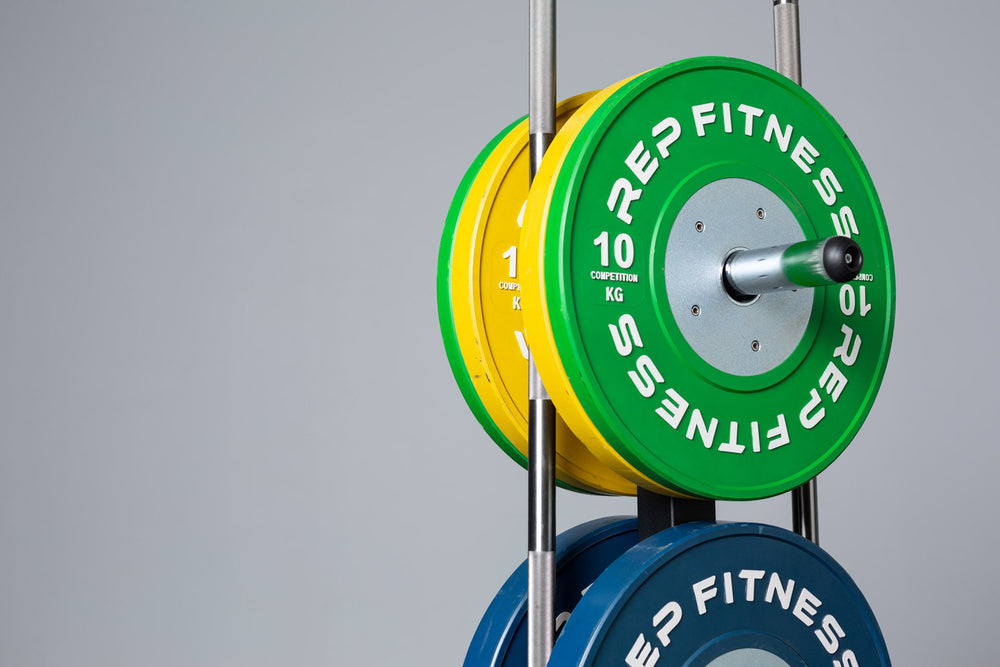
830	633
778	436
697	424
704	590
750	113
845	224
849	358
773	129
804	155
784	594
671	613
626	325
646	376
675	132
810	420
805	606
642	164
828	186
834	380
703	116
672	408
732	447
751	577
642	654
624	188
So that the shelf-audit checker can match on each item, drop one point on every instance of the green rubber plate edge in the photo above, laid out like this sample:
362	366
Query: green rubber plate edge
582	381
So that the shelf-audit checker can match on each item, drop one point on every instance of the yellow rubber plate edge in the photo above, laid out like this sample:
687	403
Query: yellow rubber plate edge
535	312
485	301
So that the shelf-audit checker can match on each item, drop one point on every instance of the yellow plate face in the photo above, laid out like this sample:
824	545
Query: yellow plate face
487	267
535	313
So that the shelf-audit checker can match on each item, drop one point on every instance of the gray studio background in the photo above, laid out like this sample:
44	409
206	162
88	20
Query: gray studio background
228	431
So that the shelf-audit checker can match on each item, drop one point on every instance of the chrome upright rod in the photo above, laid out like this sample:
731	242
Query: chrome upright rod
541	78
786	39
541	412
787	61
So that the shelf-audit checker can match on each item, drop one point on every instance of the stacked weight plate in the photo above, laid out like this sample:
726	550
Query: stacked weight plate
677	272
704	594
665	377
612	274
479	299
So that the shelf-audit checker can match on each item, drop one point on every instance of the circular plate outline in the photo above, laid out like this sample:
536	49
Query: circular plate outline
446	318
579	397
508	611
599	610
686	188
502	415
536	324
575	464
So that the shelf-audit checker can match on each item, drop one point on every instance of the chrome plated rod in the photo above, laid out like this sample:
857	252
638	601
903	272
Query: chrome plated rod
541	531
541	412
541	76
788	61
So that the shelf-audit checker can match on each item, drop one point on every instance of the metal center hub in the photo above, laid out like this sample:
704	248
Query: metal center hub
743	338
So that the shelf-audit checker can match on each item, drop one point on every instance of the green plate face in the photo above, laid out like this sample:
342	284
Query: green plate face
705	424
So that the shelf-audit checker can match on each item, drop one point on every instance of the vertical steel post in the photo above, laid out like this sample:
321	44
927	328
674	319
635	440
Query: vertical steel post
787	61
542	414
786	39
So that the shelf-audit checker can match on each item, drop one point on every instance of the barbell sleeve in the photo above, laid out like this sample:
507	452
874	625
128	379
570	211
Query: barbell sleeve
815	263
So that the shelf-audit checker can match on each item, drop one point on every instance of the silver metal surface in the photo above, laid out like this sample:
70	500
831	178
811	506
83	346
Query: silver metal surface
542	67
541	606
764	270
758	271
541	531
537	145
541	475
721	330
786	40
542	414
788	61
536	388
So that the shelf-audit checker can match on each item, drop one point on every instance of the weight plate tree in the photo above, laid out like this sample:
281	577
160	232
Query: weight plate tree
722	595
707	290
479	304
582	554
647	217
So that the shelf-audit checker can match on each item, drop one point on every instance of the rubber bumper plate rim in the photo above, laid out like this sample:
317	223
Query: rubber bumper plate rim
716	594
479	309
582	554
598	308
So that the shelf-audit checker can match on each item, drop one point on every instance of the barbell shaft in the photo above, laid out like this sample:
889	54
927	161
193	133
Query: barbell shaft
816	263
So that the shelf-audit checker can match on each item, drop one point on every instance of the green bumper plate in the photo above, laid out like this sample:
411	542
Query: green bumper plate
677	415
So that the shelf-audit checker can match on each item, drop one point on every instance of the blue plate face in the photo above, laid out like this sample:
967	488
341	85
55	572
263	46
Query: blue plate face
722	595
582	553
